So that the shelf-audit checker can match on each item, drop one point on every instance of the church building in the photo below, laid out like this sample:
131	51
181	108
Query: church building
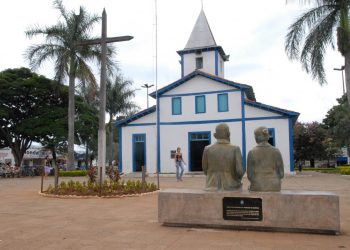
188	110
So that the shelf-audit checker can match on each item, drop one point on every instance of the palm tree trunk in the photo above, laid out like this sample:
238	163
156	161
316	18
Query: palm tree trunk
71	113
347	75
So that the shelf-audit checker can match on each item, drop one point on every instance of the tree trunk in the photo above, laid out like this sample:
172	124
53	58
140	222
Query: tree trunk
71	114
347	75
18	149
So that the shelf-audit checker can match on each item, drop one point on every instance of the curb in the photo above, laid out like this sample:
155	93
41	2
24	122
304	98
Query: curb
94	196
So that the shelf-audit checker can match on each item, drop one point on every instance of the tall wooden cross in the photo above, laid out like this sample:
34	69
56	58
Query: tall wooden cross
101	160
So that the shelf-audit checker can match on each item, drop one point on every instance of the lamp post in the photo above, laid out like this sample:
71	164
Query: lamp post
147	87
342	76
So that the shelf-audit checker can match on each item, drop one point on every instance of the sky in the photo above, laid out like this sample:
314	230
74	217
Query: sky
251	32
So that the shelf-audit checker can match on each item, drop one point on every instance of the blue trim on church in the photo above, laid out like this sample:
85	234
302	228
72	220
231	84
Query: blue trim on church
291	144
244	145
182	66
120	151
204	49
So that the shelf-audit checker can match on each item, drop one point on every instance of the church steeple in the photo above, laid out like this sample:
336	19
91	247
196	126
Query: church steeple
201	35
201	51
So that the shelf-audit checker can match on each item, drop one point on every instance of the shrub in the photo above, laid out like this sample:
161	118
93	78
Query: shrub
113	174
73	173
92	174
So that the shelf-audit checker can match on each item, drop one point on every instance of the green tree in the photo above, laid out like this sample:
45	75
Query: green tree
70	58
337	121
26	100
87	127
314	31
309	141
118	102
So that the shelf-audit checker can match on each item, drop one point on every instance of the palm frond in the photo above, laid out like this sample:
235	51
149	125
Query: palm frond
312	55
297	30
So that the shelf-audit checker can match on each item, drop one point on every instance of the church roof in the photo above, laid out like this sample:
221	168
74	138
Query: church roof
136	116
247	88
201	35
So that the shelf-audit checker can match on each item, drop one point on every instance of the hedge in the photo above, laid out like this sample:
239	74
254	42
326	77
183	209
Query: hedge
73	173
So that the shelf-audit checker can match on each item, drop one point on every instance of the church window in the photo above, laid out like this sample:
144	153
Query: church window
176	105
199	62
200	104
222	102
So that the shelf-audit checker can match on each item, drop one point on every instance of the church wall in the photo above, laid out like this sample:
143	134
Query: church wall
281	128
251	112
200	85
150	118
151	147
173	136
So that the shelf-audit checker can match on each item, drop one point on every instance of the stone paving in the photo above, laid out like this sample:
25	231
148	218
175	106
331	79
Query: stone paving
30	221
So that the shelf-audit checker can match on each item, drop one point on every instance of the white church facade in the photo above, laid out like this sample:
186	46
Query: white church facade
188	110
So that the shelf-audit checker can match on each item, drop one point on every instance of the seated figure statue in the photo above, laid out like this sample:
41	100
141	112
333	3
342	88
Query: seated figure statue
265	165
222	162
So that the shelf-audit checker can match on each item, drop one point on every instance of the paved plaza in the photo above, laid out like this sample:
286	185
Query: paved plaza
29	221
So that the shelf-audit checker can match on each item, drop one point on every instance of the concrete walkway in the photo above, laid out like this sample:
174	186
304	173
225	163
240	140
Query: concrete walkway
29	221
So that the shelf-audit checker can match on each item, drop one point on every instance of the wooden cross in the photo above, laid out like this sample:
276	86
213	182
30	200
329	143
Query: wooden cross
101	160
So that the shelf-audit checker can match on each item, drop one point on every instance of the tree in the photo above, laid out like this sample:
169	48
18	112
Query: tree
87	126
309	141
310	35
337	121
70	58
25	101
118	101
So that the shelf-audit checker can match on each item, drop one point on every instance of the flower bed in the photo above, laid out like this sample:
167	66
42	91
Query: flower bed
111	188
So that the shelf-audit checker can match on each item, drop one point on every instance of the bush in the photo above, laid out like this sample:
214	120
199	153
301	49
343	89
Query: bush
73	173
345	171
92	174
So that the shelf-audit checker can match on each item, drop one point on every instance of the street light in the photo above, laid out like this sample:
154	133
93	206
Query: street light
147	87
342	76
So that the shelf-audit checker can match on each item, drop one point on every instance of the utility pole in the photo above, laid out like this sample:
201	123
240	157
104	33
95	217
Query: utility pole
101	160
147	87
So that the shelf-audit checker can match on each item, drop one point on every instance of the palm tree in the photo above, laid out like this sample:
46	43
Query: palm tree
70	58
118	101
310	35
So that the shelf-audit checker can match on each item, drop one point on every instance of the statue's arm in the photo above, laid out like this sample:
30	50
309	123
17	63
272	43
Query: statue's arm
279	164
205	160
250	163
239	163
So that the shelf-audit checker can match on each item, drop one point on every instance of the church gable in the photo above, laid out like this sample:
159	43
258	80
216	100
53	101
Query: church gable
200	84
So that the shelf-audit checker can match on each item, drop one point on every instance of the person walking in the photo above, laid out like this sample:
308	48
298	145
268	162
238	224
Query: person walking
179	164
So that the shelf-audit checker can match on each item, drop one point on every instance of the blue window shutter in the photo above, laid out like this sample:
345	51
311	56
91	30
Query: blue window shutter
200	104
176	105
223	102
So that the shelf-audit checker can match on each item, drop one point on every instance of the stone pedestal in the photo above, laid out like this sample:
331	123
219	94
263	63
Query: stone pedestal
288	211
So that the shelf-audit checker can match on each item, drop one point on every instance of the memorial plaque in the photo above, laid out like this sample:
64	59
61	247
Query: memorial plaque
243	209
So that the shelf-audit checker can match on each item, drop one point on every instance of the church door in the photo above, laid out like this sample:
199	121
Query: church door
197	142
139	151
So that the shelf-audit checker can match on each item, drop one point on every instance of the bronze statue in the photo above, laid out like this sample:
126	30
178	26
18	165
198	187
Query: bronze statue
265	165
222	162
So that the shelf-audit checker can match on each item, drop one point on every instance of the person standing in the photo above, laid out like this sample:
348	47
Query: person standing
179	164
